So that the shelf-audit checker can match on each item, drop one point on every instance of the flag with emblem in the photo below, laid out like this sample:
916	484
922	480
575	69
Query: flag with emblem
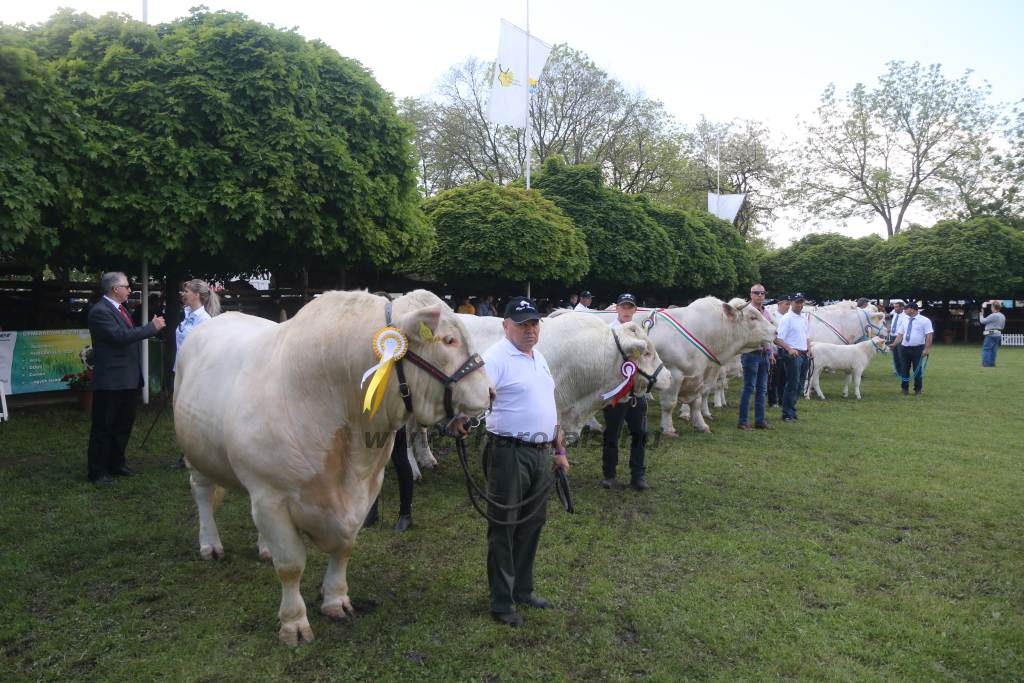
508	105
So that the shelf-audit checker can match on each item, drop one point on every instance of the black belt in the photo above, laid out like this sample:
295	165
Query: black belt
544	445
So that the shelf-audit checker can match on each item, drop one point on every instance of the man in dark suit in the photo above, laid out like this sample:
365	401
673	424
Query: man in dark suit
117	377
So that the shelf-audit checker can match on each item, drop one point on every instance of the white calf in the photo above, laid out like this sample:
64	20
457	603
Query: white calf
853	359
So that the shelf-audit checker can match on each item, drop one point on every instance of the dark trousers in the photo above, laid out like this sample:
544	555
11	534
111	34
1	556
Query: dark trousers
755	384
794	382
910	356
403	470
776	380
514	473
113	415
635	417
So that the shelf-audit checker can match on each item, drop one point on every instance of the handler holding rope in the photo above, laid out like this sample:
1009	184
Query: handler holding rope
523	442
914	335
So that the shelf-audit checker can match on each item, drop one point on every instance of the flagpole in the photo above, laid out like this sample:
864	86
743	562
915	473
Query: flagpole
527	95
718	167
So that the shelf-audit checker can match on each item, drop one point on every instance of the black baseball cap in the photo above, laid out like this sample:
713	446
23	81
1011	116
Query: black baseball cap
626	299
911	304
862	300
796	297
520	309
585	294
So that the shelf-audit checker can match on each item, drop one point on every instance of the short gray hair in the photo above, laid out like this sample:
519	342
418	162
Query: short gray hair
110	280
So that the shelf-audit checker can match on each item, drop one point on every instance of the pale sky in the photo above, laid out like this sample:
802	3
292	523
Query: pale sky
768	61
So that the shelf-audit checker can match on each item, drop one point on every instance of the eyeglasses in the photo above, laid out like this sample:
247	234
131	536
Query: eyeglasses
761	292
125	286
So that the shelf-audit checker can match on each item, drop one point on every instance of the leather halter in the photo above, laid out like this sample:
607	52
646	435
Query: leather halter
474	362
651	378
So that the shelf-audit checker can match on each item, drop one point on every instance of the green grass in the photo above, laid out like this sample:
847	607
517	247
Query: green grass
872	540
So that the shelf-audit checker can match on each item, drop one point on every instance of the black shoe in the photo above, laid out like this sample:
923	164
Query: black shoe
762	425
639	484
608	483
789	419
917	392
180	465
906	392
123	472
534	601
102	479
404	522
508	618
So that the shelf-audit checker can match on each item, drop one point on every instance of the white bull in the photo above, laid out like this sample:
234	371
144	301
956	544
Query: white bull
277	410
585	362
843	325
693	341
851	359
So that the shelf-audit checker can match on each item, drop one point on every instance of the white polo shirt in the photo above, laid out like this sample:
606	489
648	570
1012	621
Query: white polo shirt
580	307
524	407
793	331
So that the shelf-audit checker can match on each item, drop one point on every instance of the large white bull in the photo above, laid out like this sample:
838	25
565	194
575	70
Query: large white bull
693	341
277	410
843	325
584	359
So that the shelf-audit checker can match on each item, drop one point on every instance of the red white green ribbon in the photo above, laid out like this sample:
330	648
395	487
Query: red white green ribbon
826	324
691	337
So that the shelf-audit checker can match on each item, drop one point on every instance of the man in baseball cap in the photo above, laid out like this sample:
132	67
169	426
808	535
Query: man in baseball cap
585	299
520	309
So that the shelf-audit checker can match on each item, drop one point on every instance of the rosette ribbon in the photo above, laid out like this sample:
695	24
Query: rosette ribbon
628	370
390	345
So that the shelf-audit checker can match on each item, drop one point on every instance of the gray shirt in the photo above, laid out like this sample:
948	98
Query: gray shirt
993	321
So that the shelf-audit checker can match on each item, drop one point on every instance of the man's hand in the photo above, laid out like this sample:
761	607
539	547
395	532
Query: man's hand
562	462
159	323
459	426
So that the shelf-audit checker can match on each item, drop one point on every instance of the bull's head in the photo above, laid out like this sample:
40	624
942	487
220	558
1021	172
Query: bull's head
639	348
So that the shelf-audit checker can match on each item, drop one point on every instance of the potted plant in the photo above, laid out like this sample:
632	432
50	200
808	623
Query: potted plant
81	384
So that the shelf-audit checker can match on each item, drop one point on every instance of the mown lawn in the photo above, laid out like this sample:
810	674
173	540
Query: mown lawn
872	540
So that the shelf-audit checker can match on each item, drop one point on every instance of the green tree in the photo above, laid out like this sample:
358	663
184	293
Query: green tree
877	152
826	266
979	257
489	235
38	182
227	145
628	249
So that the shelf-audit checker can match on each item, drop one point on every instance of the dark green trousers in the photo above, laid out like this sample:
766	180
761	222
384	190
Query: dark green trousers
514	473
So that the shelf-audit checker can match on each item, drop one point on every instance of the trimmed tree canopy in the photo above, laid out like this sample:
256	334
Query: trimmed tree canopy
489	234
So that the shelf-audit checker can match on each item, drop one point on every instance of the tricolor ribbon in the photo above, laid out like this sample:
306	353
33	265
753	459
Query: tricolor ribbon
628	370
390	345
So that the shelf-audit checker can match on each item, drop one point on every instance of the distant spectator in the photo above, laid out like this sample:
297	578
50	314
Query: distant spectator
994	323
586	298
486	307
465	307
574	299
862	302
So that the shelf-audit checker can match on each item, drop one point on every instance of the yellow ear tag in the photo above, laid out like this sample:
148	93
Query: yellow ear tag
425	333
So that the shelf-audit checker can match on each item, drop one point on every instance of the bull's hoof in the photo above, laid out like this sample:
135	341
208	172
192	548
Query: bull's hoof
339	610
705	429
670	433
295	633
211	552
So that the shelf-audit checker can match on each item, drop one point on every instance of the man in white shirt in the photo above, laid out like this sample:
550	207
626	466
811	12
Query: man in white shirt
585	300
792	338
914	340
524	443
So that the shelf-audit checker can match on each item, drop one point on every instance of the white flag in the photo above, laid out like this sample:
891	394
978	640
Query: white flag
725	206
508	105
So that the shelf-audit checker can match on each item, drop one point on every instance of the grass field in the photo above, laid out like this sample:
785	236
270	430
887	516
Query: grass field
872	540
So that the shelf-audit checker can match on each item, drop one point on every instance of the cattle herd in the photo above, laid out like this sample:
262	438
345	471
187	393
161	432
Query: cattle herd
277	409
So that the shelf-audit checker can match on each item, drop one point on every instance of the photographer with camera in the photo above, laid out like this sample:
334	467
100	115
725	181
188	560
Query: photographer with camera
994	323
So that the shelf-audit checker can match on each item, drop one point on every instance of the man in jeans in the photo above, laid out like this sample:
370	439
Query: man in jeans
792	338
755	371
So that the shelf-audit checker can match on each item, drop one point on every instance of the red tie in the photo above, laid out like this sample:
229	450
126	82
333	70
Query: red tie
127	318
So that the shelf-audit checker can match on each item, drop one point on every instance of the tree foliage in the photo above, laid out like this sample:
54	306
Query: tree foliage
827	266
627	248
489	235
878	152
229	145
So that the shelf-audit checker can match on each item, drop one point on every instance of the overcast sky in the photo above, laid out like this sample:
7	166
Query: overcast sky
768	61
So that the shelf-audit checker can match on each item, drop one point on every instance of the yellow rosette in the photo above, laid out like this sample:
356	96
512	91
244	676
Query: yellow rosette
390	345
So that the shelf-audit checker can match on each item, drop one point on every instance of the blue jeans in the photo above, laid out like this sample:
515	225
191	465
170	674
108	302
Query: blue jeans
989	347
755	381
794	382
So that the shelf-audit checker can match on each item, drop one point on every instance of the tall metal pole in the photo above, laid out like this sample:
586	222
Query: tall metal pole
526	94
718	168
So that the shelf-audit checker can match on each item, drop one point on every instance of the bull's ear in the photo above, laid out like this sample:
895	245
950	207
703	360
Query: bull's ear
729	311
421	324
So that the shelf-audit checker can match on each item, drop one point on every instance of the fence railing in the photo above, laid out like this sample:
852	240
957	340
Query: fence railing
1012	340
